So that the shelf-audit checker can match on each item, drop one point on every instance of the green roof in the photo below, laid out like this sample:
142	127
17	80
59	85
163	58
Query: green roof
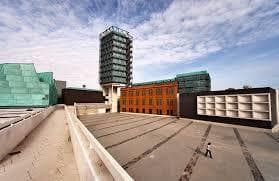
154	82
192	73
84	89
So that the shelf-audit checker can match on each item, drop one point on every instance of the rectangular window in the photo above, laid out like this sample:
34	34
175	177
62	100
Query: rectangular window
150	102
123	93
172	91
137	102
158	91
137	92
170	102
150	92
143	92
130	93
143	101
167	91
123	101
157	102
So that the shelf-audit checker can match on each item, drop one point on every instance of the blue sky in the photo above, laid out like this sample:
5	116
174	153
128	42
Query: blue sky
236	41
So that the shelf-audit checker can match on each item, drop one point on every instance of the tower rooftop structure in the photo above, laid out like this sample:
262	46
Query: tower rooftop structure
115	56
115	63
115	30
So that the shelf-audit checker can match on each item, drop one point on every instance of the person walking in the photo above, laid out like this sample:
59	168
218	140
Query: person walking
208	150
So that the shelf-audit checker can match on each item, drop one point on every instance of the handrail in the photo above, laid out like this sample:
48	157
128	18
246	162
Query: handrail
117	172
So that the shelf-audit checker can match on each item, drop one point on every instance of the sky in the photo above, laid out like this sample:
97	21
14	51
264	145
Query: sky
236	41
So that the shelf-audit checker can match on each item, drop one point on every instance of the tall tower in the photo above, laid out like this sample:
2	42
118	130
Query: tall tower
115	64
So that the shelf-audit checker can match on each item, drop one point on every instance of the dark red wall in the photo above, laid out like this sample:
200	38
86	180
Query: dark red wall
82	96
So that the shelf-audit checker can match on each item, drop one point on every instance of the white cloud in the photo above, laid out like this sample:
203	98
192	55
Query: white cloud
56	38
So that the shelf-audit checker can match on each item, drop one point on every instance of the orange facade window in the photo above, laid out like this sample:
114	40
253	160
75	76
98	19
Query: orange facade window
150	99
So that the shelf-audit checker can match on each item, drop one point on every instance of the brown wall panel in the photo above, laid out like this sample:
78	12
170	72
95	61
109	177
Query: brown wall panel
82	96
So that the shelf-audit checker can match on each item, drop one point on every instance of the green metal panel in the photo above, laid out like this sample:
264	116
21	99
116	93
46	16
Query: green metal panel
28	67
47	77
193	82
31	79
5	90
20	86
10	77
17	84
192	73
19	90
4	83
6	96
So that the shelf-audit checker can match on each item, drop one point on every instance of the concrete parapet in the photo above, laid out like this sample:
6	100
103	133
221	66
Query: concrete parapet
11	135
93	161
90	108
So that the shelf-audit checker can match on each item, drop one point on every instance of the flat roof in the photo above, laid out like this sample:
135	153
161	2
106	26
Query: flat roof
154	82
116	30
152	147
237	91
192	73
82	89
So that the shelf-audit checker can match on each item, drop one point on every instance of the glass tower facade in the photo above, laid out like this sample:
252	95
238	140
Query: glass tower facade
115	56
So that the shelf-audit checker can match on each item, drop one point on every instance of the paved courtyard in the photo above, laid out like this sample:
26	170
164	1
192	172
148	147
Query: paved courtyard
152	147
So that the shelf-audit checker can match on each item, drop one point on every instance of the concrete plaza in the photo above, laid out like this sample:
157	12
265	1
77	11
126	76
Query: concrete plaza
152	147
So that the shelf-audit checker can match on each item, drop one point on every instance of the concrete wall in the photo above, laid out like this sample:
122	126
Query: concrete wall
11	136
93	161
59	86
91	108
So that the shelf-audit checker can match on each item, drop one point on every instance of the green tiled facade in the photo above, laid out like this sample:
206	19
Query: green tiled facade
193	82
22	86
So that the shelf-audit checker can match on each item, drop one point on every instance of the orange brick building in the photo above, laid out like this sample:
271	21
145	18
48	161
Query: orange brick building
157	97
